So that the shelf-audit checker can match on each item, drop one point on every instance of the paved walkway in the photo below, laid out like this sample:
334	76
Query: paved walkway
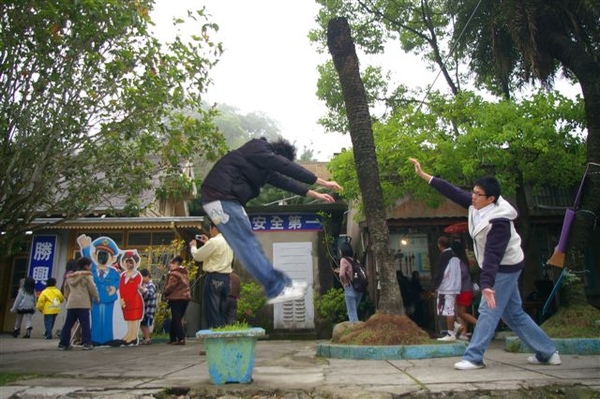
281	366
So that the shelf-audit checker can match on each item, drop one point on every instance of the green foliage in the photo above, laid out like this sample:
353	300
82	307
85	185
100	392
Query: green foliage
536	141
156	259
94	107
331	306
252	300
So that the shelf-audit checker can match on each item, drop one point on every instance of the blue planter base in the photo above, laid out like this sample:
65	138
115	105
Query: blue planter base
230	354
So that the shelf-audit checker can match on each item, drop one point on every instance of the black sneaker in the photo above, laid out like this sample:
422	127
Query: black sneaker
87	347
63	348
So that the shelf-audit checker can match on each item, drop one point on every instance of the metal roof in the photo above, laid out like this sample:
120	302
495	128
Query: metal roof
109	223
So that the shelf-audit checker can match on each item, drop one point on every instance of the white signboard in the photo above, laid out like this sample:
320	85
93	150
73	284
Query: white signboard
296	259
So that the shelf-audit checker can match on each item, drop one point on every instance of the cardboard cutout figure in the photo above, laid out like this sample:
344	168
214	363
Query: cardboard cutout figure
103	251
132	303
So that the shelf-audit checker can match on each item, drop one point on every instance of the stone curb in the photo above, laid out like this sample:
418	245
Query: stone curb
390	352
565	346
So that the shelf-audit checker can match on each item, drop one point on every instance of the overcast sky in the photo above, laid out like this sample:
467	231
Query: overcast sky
270	66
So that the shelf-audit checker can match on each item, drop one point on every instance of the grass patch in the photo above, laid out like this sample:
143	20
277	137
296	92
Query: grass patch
237	326
578	321
7	378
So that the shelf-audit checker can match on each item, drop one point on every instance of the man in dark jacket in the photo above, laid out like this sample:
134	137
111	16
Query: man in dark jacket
238	177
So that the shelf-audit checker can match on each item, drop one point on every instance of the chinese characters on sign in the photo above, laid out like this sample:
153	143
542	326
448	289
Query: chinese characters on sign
41	260
293	222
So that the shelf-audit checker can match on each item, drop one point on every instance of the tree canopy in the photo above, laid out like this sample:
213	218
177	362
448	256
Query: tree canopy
93	106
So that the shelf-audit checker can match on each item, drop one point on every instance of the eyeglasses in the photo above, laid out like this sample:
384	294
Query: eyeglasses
475	193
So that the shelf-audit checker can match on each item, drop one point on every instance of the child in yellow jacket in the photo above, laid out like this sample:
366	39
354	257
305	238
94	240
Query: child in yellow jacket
49	304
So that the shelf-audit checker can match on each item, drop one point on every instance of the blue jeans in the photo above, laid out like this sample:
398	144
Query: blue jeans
214	299
232	221
352	300
510	309
49	320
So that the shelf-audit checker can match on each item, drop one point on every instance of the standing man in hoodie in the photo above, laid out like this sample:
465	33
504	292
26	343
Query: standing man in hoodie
498	251
237	178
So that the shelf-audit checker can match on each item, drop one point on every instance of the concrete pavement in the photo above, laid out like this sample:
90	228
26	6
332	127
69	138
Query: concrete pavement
283	367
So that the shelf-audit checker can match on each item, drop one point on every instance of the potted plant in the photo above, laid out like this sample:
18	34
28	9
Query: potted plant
230	352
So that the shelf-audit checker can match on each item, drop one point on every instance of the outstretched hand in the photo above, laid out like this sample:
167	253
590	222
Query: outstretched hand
332	185
416	163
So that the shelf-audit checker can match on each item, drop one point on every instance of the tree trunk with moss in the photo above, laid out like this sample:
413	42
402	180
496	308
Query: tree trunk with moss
341	47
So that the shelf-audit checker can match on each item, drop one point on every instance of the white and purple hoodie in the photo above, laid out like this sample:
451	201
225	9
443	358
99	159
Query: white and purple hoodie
496	243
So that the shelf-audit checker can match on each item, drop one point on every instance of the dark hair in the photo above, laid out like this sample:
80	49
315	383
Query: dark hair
459	250
51	282
83	262
284	148
29	285
71	265
443	241
490	186
177	259
346	250
145	272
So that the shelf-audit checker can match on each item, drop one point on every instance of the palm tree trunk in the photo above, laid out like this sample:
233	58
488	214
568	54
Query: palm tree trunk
341	47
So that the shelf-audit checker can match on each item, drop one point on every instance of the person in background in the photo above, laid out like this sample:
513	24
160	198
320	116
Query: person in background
419	299
446	281
237	178
465	298
352	296
80	290
216	257
233	297
149	294
497	247
24	307
177	293
49	304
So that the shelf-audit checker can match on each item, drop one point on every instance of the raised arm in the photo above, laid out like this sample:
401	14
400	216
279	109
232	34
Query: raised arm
448	190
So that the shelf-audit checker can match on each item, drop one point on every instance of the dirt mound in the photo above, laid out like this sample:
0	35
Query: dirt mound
380	329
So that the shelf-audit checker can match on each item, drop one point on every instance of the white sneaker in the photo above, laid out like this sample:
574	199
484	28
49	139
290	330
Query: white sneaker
300	284
463	337
448	337
467	365
554	360
289	293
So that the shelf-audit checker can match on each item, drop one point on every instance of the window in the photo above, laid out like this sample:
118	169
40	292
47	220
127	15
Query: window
146	238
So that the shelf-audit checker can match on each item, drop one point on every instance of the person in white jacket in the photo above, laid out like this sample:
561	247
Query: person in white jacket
497	247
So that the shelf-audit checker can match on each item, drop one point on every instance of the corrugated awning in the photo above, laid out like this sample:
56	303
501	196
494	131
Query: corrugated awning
118	223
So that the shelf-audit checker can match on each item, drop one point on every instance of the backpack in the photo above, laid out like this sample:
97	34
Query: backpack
359	275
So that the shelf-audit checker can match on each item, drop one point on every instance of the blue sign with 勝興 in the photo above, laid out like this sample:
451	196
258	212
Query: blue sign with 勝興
292	222
43	249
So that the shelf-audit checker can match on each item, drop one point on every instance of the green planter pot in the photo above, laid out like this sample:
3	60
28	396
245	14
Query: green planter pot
230	354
